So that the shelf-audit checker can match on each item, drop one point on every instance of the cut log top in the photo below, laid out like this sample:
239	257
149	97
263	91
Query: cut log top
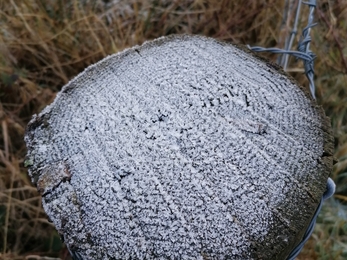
182	148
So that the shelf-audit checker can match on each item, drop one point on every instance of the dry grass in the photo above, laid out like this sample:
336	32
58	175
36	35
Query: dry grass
44	43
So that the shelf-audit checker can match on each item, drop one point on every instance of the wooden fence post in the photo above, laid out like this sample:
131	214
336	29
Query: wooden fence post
182	148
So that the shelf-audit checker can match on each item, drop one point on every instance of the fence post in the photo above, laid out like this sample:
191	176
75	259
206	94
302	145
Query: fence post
182	148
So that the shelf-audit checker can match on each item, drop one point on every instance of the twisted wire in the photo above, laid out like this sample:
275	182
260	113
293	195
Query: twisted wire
303	51
289	43
330	190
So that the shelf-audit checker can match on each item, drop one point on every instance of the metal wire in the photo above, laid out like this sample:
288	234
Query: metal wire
307	56
327	194
304	53
293	33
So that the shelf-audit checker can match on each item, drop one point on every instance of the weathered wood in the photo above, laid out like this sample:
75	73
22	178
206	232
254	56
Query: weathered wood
182	148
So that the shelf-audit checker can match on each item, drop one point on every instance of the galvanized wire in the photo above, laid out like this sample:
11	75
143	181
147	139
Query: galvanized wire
303	51
327	194
283	60
307	56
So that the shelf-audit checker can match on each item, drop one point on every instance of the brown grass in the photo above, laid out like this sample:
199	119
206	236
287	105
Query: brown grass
43	44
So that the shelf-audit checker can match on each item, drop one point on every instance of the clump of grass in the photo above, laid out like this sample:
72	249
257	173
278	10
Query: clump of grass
43	44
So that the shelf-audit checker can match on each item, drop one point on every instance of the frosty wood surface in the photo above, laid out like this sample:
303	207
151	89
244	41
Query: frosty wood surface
182	148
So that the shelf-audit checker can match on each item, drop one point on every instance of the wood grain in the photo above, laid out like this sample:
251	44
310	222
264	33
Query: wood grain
182	148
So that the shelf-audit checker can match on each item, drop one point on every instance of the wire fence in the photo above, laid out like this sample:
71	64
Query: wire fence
303	53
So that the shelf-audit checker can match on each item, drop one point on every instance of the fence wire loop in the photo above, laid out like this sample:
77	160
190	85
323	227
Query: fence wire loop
302	47
327	194
303	51
307	56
